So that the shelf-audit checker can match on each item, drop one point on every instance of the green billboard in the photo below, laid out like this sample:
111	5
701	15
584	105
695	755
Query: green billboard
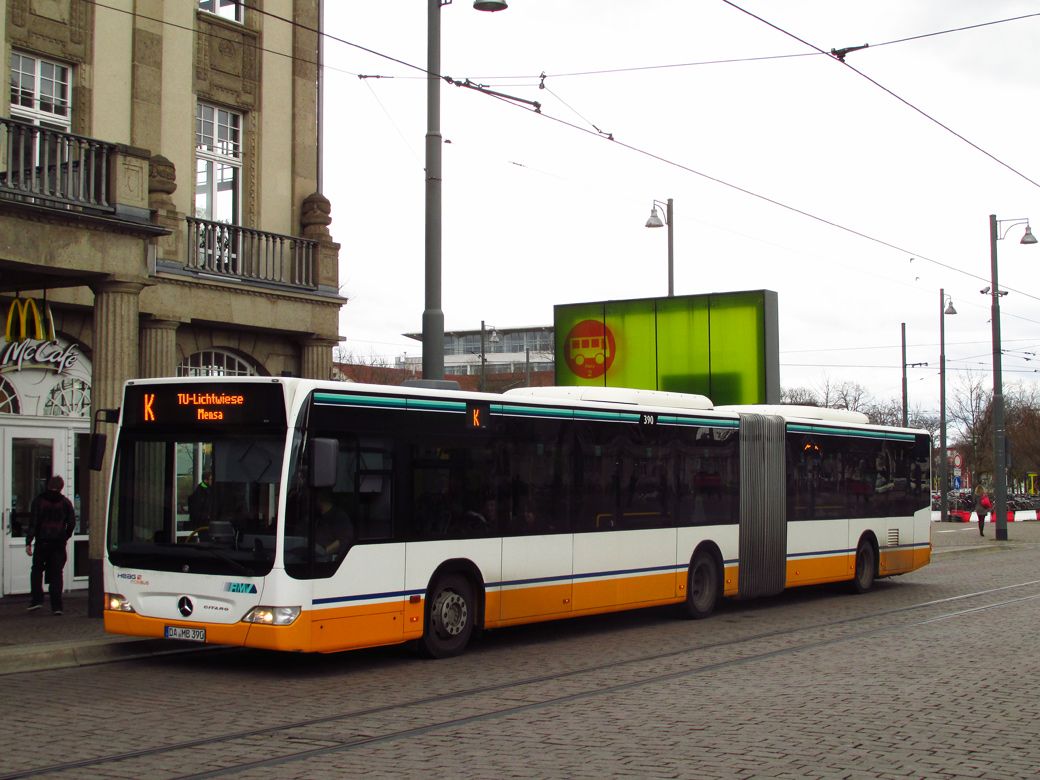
722	345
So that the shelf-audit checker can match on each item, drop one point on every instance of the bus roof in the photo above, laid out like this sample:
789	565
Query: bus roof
800	412
618	395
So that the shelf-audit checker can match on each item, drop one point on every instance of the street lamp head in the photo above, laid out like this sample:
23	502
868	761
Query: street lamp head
490	5
654	221
949	308
1028	238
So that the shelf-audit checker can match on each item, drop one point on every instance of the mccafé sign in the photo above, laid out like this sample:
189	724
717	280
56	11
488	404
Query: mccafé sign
31	341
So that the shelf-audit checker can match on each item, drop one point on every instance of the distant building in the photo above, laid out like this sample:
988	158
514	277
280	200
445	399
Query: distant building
507	350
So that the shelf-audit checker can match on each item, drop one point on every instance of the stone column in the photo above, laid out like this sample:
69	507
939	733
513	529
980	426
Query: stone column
115	361
158	348
316	360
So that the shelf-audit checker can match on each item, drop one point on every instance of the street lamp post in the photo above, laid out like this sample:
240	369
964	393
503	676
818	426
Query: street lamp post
433	315
655	222
999	438
493	338
944	466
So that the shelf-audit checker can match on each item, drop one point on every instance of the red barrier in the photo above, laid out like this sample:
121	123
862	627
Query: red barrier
960	516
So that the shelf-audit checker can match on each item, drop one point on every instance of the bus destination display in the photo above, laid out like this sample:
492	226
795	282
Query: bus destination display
233	404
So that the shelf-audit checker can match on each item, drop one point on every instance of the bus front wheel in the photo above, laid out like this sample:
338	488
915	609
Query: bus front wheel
449	617
702	585
866	567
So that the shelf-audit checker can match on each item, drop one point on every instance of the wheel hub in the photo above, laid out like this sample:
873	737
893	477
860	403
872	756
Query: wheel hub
451	613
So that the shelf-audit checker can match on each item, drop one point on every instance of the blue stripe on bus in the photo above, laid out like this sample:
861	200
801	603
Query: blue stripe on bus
390	402
509	583
700	421
825	430
434	405
426	404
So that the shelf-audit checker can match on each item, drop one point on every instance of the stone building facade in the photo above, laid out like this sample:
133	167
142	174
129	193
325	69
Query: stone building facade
159	216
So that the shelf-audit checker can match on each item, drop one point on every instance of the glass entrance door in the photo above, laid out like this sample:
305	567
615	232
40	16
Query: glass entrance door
28	457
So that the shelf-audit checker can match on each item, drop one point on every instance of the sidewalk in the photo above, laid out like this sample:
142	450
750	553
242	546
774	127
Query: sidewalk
39	640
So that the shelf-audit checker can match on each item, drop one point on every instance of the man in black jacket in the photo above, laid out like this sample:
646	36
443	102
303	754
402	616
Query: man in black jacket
52	520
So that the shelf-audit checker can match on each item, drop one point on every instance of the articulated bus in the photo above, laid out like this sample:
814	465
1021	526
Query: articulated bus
333	515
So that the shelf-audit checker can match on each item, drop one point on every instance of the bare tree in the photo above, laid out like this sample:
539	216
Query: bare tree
799	396
1022	423
841	394
370	369
970	409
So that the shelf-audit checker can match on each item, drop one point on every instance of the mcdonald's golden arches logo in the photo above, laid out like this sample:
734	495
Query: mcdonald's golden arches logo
24	321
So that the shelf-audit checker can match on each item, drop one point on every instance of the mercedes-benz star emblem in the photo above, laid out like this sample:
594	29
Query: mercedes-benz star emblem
184	606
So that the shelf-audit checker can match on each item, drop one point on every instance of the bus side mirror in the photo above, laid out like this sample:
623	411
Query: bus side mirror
324	462
97	450
98	440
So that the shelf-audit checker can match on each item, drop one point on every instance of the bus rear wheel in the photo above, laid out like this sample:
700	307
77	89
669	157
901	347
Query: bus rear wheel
702	585
449	618
866	567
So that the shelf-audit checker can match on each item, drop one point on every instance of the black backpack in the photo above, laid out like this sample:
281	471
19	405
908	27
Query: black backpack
50	525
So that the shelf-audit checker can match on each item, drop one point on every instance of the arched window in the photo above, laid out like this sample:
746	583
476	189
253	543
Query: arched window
215	362
8	398
68	398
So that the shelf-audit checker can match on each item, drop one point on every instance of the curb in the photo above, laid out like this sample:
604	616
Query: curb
69	654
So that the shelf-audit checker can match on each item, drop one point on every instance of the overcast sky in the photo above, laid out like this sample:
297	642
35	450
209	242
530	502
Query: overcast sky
790	170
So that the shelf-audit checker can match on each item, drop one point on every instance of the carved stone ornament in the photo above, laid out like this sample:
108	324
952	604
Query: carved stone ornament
317	210
162	175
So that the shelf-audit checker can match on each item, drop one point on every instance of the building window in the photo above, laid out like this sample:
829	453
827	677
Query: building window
8	398
229	9
218	170
214	362
41	92
68	398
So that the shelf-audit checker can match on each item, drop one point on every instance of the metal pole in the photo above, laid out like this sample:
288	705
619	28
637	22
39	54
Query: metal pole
902	327
999	468
944	466
671	251
433	317
483	361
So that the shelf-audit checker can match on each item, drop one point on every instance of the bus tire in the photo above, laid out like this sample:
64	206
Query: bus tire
702	585
866	567
449	617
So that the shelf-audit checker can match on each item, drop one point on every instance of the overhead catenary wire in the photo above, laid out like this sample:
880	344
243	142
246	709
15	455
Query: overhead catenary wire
601	134
902	100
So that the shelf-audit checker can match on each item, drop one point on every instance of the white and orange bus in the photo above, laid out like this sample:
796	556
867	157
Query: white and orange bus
338	516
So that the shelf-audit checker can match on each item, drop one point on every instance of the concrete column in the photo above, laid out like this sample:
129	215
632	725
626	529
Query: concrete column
316	360
158	348
147	78
114	361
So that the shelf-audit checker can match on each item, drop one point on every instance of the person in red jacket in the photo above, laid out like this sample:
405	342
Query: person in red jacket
52	519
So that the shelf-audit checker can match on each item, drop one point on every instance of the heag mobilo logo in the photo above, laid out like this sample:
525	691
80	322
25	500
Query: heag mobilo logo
589	349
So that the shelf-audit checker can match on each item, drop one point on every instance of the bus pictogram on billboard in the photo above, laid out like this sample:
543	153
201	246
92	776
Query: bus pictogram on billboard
590	349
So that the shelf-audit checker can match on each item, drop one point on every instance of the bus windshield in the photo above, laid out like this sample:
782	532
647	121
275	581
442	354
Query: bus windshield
207	507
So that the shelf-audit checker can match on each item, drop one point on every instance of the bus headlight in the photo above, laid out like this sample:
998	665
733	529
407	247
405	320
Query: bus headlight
272	616
116	602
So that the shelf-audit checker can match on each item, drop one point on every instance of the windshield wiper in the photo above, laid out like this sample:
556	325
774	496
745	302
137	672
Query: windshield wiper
217	553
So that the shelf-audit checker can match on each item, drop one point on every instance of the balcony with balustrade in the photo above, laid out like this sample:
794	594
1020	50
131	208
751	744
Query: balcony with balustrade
218	250
54	169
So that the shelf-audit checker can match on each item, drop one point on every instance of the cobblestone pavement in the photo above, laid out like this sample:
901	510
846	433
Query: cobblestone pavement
931	675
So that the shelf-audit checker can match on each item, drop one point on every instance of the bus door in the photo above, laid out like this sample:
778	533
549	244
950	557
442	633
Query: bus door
28	457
